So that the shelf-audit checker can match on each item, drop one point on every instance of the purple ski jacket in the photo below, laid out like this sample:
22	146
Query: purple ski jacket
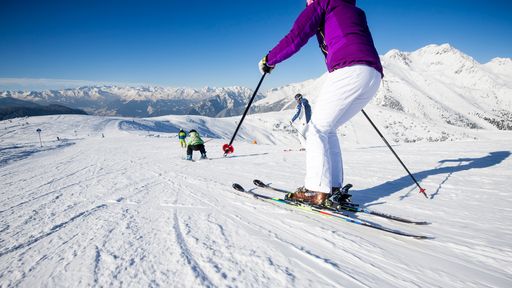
342	33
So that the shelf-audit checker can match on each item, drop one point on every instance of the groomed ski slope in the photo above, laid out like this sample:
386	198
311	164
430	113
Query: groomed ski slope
125	210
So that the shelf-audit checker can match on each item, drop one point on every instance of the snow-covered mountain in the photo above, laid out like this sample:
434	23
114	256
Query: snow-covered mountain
14	108
144	101
437	84
441	83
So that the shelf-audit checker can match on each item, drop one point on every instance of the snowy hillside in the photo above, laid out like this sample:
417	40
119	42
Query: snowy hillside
502	67
112	203
448	86
436	84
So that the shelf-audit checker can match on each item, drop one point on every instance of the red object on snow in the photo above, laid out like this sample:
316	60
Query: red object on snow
228	149
423	191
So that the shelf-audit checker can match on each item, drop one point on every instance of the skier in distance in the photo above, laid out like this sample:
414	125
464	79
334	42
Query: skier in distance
195	144
181	136
303	115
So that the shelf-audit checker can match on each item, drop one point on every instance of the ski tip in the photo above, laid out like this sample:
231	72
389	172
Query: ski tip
422	223
259	183
348	186
238	187
424	237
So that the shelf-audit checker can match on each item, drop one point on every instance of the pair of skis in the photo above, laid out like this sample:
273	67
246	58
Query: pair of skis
351	207
333	213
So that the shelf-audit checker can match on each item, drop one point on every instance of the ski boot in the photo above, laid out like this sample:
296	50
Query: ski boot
306	196
189	157
339	197
203	156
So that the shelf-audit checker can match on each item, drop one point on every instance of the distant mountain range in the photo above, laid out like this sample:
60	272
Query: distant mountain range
13	108
144	101
435	83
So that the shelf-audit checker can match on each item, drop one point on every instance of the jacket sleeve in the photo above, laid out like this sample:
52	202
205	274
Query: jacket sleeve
304	28
299	108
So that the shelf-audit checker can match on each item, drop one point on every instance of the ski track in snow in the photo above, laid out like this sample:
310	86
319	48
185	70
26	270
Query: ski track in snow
200	274
54	229
124	210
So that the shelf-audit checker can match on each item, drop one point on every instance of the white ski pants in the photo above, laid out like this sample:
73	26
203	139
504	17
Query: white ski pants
345	92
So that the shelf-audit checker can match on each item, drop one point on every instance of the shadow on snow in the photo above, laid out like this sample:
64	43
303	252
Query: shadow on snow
12	154
390	187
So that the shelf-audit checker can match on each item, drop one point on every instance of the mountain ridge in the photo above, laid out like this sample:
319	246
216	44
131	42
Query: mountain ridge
14	108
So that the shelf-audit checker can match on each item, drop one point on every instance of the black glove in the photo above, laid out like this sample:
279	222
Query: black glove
264	67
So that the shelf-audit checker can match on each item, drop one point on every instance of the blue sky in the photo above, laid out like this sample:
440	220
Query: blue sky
215	43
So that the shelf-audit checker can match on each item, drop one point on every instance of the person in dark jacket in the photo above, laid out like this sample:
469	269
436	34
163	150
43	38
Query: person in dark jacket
355	73
195	143
303	109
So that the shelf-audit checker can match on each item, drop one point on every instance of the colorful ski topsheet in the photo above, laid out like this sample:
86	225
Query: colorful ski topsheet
327	213
351	207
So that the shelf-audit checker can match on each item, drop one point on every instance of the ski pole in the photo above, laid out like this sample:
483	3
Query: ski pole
293	126
422	190
39	132
228	148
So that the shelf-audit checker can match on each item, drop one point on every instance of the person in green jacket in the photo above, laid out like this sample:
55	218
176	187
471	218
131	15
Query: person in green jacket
182	135
195	143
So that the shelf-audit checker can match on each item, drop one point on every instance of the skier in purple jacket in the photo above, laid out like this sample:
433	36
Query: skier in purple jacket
354	77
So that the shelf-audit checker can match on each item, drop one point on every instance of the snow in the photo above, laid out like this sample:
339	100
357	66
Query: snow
126	210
